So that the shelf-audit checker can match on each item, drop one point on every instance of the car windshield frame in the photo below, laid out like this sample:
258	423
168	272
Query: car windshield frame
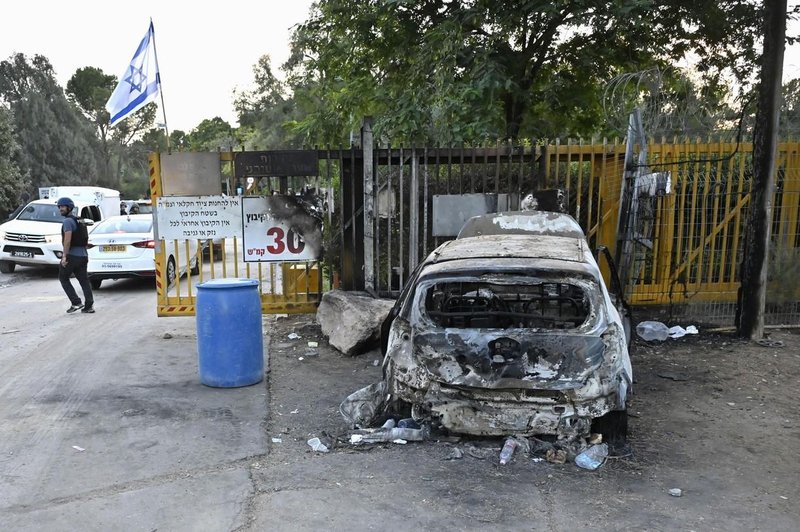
42	212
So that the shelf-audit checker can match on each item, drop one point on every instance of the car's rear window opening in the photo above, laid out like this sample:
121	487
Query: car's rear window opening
545	305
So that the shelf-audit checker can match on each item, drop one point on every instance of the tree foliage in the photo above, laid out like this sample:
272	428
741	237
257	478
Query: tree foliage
57	145
12	181
449	70
268	112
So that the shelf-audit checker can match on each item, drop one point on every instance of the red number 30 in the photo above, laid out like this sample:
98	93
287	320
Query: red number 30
280	240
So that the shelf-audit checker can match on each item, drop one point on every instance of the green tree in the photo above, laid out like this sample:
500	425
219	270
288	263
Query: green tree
12	181
447	70
211	135
267	113
90	88
57	144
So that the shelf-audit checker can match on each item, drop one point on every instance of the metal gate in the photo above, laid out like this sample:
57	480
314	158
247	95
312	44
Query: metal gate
685	249
182	180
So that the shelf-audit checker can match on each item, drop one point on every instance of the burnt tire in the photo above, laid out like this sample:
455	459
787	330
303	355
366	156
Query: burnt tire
6	266
614	427
95	283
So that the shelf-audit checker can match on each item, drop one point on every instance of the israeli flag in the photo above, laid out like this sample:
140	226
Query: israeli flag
139	84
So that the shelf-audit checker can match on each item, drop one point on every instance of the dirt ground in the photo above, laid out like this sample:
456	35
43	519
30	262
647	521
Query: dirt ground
711	414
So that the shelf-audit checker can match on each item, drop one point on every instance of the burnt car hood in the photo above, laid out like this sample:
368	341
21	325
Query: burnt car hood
509	359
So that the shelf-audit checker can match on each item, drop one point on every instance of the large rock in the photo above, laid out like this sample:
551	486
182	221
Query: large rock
352	320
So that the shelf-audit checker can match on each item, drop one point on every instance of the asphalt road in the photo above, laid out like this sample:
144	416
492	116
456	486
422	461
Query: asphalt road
103	422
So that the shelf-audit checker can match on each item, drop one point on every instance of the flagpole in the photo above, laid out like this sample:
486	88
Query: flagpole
160	87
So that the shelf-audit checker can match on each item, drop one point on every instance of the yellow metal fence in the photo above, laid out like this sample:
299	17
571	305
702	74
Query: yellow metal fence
284	288
688	244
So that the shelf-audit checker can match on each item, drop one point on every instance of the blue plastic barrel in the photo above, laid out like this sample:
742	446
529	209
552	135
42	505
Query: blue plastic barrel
230	343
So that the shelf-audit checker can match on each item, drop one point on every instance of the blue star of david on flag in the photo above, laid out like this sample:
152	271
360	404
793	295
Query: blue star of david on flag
139	84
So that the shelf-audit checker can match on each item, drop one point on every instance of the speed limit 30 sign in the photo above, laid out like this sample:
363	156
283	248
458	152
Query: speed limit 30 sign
278	229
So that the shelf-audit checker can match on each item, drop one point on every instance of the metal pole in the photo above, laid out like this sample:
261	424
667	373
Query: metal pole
160	87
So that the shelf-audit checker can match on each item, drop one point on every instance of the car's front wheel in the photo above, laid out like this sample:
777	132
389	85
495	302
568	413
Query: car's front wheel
6	266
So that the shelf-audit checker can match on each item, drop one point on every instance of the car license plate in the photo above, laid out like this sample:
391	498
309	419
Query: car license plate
112	249
27	254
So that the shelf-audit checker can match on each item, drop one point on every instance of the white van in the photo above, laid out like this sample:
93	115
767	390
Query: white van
33	237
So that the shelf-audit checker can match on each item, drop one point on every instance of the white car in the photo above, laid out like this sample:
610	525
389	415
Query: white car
124	247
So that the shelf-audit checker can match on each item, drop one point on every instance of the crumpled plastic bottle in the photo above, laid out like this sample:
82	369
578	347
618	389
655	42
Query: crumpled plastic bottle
593	457
507	451
652	330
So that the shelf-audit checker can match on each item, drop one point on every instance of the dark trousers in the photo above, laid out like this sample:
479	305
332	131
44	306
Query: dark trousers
76	265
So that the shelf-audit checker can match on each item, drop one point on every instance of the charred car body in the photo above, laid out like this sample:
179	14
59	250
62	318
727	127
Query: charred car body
509	329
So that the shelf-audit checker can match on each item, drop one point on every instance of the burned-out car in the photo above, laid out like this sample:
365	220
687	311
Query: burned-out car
509	329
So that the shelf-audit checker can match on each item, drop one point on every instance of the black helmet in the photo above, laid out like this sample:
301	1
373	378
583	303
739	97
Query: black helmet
66	202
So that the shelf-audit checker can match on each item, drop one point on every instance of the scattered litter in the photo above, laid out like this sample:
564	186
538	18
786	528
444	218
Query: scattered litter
678	377
400	441
356	438
769	343
595	438
480	453
313	344
539	447
300	358
388	424
657	331
676	492
537	459
507	451
363	406
167	336
784	498
408	423
317	445
556	456
295	411
277	440
293	336
376	362
79	449
455	454
677	332
389	435
731	404
652	331
593	457
10	331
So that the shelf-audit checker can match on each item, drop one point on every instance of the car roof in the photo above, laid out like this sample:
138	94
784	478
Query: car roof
526	246
522	223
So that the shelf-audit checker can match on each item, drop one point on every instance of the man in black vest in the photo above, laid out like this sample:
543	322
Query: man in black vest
74	258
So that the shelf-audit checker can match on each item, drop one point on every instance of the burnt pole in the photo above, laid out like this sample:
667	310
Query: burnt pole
765	142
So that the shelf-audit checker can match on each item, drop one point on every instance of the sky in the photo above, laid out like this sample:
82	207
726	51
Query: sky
205	50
